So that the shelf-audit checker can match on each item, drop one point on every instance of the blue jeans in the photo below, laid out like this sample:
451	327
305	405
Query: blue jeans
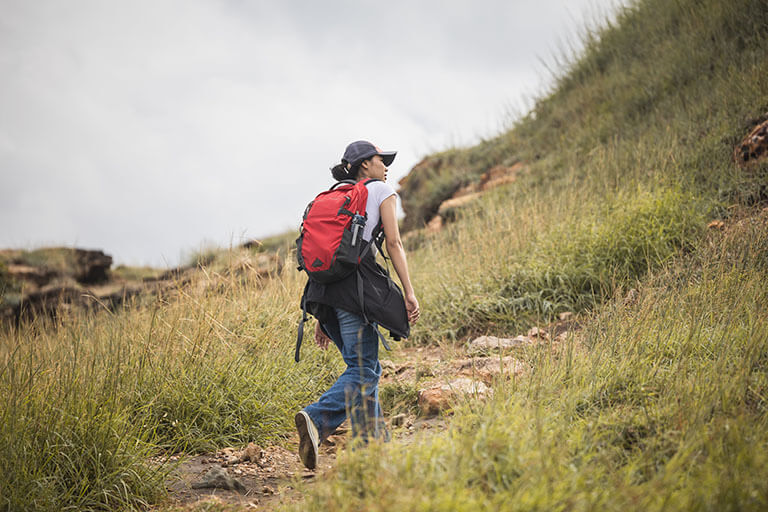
356	391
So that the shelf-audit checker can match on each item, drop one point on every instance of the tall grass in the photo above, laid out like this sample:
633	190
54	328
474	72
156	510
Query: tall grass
658	405
88	398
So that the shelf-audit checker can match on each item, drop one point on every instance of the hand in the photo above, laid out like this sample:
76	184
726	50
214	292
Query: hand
320	338
412	307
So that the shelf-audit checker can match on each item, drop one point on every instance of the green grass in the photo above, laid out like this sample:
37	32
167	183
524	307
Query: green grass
658	405
88	398
127	273
399	398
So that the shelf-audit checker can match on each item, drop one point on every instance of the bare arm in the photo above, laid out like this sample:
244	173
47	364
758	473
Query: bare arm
397	254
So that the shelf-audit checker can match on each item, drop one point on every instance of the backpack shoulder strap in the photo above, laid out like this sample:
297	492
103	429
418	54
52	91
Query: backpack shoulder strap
342	182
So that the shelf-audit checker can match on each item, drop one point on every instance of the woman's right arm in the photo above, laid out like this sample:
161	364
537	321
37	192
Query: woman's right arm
397	254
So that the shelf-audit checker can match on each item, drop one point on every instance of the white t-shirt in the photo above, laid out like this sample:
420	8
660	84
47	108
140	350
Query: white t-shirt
378	191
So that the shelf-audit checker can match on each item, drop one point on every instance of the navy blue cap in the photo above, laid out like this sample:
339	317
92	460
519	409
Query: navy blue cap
361	150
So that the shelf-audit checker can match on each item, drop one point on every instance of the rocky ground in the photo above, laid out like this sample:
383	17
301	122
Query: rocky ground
260	478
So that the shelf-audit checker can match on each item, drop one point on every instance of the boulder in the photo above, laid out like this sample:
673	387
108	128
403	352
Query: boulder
439	399
91	266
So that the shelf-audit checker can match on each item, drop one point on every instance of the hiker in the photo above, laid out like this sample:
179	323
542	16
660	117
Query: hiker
352	326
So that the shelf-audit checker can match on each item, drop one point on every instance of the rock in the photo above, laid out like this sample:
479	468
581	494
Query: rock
251	243
500	175
397	420
434	400
218	478
716	224
92	266
754	147
390	369
252	453
490	368
439	398
566	316
489	343
535	332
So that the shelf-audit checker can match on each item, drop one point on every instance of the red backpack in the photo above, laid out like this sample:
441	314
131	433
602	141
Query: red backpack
331	244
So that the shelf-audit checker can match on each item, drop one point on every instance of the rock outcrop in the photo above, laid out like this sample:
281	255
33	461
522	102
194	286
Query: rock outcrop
494	177
47	281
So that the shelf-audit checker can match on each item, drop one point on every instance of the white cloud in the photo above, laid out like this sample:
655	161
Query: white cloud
146	127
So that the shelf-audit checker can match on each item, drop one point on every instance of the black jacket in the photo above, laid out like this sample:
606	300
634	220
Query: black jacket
382	298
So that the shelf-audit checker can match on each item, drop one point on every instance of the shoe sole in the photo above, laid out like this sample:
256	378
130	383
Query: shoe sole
307	448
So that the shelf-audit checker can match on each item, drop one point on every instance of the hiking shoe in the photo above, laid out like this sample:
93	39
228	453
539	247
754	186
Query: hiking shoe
308	439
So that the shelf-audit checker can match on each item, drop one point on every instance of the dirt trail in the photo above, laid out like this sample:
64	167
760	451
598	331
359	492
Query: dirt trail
270	475
273	480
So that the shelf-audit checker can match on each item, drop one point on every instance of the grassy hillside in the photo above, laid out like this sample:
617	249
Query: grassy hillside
658	403
661	401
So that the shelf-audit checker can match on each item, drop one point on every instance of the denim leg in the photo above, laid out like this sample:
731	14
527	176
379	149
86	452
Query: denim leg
356	391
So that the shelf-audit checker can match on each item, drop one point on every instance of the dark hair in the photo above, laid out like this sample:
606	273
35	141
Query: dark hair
344	171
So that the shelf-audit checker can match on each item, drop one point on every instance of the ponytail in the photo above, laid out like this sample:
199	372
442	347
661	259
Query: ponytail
344	171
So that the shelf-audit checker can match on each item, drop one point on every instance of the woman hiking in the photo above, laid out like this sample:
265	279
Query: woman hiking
352	326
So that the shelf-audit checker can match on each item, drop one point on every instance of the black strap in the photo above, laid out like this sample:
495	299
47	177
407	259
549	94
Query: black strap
300	336
377	237
352	182
342	182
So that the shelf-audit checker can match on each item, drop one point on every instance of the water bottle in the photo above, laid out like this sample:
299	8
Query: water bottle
358	223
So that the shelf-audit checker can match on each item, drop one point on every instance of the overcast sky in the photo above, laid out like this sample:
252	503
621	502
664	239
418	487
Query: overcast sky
151	128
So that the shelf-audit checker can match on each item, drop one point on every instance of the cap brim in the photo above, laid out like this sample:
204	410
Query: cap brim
388	157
